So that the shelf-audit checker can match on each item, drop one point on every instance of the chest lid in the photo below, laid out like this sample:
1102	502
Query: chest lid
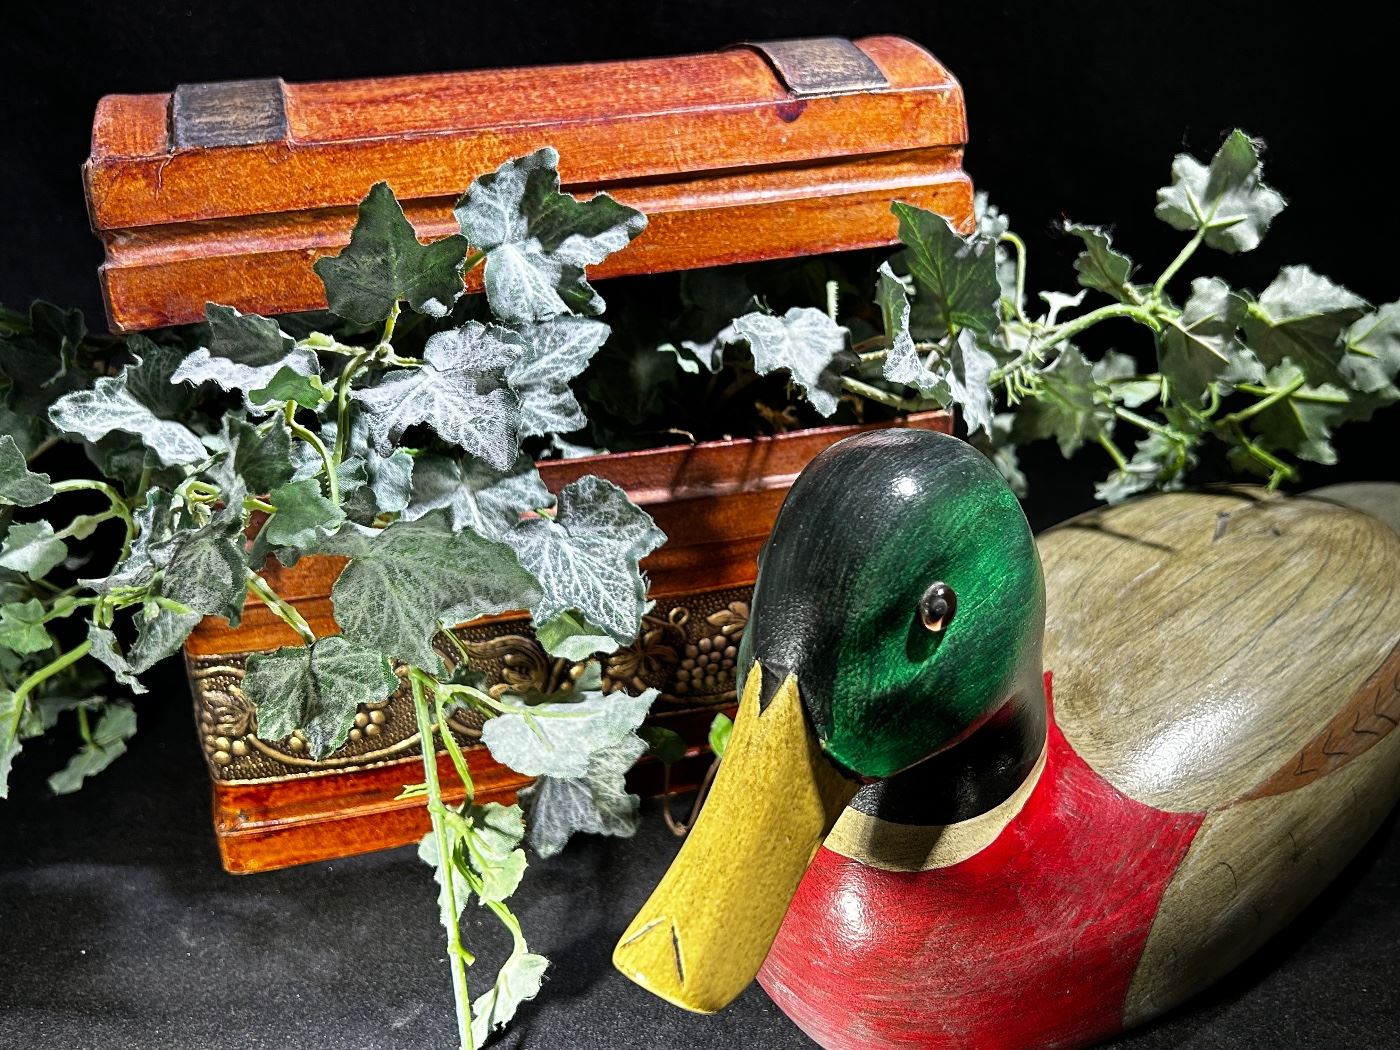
229	192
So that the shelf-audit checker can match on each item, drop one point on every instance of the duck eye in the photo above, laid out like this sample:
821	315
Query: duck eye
937	606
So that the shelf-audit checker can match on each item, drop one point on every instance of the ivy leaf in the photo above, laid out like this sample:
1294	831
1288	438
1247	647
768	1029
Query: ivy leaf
1227	199
1074	408
664	745
596	803
150	377
720	731
1100	266
570	636
316	688
428	853
111	406
402	579
1121	371
712	298
12	715
114	728
556	739
586	558
203	569
518	981
551	354
385	264
41	364
538	240
1300	317
20	486
1202	346
476	496
1057	301
903	364
386	488
106	650
956	277
1372	350
806	342
259	455
461	393
494	852
158	637
245	352
1160	462
1302	423
22	627
997	445
992	223
969	371
303	515
290	385
32	548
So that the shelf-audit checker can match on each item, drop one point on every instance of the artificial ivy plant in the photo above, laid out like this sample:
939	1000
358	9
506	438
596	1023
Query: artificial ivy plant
401	431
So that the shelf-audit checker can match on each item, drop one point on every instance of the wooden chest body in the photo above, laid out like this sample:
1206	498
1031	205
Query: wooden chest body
230	192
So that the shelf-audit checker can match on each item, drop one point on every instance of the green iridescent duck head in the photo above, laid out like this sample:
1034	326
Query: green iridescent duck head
895	630
902	589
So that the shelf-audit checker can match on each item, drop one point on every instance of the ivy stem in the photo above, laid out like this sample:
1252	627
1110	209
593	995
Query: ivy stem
253	503
1264	403
1071	328
446	877
470	262
284	610
332	485
1281	470
38	678
342	404
119	507
1114	451
1180	260
1142	421
882	397
1020	246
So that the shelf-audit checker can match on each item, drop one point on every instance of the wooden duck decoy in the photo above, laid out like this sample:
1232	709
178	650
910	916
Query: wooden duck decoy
915	841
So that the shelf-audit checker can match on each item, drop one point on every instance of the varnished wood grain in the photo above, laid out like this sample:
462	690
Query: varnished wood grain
729	165
1175	622
1252	868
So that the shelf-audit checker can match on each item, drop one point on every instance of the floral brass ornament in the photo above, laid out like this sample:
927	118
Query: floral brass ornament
689	653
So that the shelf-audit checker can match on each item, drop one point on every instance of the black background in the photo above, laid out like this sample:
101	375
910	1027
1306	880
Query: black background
117	929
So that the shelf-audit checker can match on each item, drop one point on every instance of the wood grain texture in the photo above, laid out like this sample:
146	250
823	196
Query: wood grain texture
1252	868
727	162
1175	625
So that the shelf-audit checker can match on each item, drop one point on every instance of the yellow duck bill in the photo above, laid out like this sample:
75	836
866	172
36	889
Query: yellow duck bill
702	936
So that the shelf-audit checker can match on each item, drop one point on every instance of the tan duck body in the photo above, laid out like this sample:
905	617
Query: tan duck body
990	791
1226	680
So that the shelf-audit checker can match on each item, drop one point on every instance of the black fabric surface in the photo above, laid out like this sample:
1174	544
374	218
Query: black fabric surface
118	929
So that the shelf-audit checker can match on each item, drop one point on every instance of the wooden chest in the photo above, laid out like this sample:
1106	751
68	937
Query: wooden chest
229	193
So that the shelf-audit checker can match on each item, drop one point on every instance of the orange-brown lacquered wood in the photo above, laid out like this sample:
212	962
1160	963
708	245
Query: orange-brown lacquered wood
729	165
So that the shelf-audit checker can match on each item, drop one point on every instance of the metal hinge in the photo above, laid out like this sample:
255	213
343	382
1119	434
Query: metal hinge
821	65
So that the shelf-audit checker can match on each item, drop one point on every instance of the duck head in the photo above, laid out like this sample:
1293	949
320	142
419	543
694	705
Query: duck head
896	622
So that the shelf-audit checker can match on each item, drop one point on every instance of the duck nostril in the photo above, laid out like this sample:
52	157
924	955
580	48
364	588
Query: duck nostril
938	606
